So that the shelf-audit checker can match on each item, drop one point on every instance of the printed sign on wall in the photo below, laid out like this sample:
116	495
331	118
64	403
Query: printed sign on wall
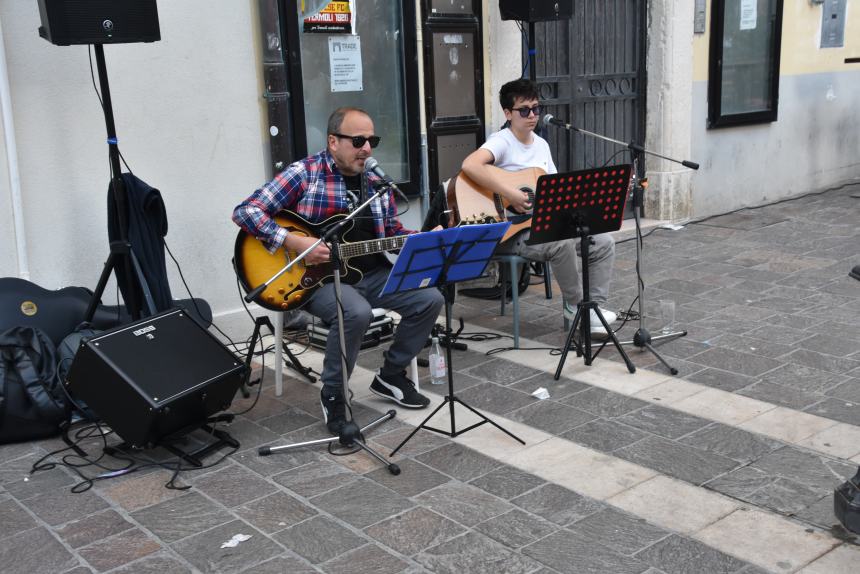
335	18
344	54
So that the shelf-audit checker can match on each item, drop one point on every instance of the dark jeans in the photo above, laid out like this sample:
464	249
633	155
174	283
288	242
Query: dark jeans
418	311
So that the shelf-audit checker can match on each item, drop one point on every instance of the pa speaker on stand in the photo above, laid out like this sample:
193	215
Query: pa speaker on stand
67	22
535	10
531	11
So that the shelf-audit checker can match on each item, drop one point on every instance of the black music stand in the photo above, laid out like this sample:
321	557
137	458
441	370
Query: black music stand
581	204
441	259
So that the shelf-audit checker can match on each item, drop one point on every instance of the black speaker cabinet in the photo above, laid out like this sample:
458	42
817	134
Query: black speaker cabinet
155	378
535	10
66	22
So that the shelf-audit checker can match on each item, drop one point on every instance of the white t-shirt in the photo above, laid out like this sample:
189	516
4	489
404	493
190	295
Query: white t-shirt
512	155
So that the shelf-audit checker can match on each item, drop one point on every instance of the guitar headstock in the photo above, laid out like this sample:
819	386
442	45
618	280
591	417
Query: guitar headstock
478	218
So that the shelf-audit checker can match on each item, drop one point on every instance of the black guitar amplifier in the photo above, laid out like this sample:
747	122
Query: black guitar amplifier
158	377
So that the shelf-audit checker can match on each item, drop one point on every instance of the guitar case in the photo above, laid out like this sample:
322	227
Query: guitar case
60	312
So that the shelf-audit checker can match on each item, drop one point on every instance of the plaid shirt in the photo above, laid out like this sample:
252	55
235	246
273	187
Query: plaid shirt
314	189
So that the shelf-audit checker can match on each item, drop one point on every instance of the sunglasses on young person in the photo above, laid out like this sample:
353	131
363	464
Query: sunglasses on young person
525	111
359	141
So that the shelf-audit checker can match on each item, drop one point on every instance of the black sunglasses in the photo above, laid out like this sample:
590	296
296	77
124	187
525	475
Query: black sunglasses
358	141
525	111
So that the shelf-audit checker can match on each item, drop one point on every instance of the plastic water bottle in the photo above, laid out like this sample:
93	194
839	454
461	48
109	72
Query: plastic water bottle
438	369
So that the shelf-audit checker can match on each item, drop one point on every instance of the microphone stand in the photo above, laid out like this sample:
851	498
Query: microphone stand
350	434
642	338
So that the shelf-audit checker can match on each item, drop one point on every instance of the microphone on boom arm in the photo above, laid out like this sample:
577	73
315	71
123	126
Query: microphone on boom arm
371	165
550	120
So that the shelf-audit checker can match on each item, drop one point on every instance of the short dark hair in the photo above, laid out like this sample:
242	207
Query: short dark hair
335	120
523	89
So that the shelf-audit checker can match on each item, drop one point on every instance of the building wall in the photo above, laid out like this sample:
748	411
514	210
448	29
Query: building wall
814	143
190	122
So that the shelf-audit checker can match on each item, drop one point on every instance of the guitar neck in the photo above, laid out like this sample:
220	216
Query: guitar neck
371	246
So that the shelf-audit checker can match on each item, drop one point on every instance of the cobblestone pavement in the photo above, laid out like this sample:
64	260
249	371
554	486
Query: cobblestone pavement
728	467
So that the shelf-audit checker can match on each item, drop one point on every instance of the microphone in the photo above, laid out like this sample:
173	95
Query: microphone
550	120
370	164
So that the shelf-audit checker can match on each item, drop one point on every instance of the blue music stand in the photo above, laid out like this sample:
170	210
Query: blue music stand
441	259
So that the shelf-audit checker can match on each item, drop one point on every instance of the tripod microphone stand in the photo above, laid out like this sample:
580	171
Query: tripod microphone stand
350	434
642	338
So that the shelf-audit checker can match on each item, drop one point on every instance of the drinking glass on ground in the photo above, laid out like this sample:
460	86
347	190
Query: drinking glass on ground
667	315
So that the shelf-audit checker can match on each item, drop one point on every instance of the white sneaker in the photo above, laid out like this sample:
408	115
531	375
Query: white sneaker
610	316
597	329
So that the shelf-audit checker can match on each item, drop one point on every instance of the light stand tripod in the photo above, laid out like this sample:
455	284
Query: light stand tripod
121	256
442	259
350	434
583	318
642	338
579	204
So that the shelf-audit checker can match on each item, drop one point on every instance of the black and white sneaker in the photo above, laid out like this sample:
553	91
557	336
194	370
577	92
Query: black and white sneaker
400	389
334	410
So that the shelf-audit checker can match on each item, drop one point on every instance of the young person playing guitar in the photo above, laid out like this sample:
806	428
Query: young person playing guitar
317	188
518	147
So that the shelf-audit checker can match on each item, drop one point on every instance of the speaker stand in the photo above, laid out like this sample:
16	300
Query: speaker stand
120	250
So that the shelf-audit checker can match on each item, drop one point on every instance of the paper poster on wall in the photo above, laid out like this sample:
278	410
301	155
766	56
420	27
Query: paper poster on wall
344	55
335	18
749	14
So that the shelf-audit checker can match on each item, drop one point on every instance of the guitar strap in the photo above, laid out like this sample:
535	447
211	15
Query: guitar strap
362	195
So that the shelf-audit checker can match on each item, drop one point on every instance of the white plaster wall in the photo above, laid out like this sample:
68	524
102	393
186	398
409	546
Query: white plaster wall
190	122
811	147
8	256
503	63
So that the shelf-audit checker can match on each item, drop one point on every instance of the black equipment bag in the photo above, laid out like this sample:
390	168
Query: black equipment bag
32	403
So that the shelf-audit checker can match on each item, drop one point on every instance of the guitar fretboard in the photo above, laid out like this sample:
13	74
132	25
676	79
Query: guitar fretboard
370	246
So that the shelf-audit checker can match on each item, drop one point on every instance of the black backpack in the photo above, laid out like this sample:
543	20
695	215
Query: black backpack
32	403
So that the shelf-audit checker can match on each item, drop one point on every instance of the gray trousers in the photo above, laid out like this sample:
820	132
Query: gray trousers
418	310
564	258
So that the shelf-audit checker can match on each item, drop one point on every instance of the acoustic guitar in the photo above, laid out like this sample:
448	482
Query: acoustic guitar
255	264
470	203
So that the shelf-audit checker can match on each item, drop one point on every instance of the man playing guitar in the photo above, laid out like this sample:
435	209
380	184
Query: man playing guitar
317	188
515	148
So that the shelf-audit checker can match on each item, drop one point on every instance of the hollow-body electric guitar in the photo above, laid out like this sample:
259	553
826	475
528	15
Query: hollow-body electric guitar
255	264
471	203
